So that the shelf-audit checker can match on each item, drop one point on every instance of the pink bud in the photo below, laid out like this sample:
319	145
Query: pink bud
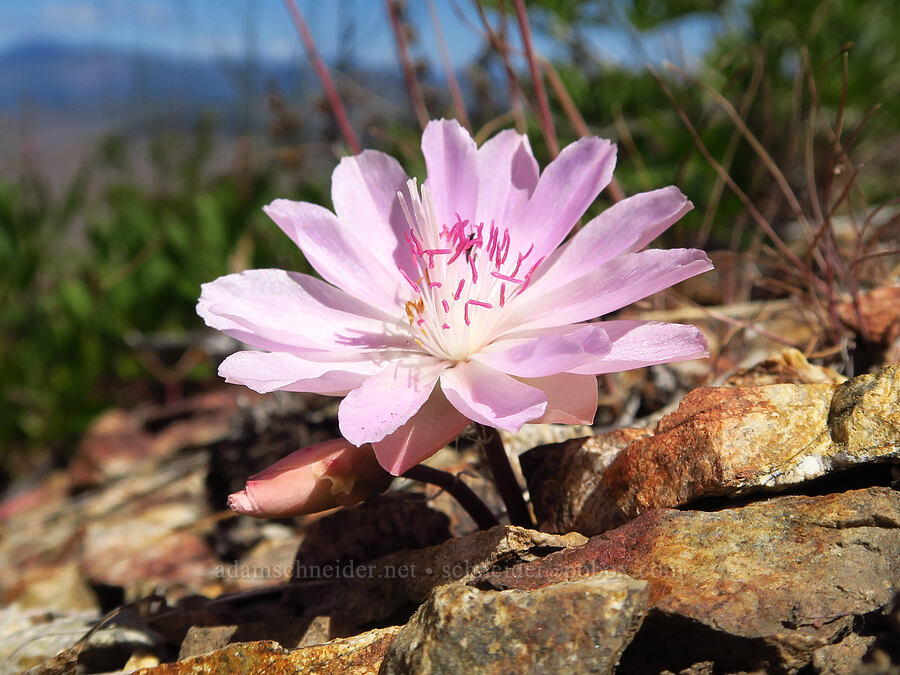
316	478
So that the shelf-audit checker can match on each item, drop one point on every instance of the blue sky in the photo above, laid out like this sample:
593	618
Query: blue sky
225	28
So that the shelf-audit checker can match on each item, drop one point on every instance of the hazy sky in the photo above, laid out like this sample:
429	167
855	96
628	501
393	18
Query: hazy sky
226	27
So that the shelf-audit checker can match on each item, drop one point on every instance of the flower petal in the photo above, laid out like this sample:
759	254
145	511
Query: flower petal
450	159
287	311
335	253
571	399
546	352
507	176
271	371
435	425
624	227
636	344
566	188
595	292
491	397
387	399
312	479
364	192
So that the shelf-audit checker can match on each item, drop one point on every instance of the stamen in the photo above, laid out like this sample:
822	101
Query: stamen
521	258
445	326
434	284
492	242
503	250
414	245
502	294
431	252
459	288
446	306
478	303
530	272
505	277
474	271
412	283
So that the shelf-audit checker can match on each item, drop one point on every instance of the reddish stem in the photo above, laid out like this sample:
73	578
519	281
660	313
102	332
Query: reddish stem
463	494
334	100
539	91
409	73
455	92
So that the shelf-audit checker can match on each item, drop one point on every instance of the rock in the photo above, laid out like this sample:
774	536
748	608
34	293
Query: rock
31	638
61	587
150	540
359	655
578	626
288	631
786	367
778	579
532	435
562	477
119	439
875	315
270	561
389	589
384	524
721	441
841	657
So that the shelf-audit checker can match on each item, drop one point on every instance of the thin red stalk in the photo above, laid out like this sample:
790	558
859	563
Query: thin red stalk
748	135
463	494
498	42
615	191
504	477
409	72
539	91
458	103
720	170
334	100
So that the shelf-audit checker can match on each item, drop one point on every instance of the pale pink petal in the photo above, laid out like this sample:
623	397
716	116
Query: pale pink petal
624	227
312	479
364	192
287	311
450	159
546	352
491	397
571	399
507	176
336	254
595	292
271	371
636	344
435	425
566	188
387	399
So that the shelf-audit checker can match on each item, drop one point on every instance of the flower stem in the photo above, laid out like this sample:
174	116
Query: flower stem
471	502
504	478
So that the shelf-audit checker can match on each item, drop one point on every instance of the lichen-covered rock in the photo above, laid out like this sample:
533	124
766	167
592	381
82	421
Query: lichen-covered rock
571	627
788	574
720	441
358	655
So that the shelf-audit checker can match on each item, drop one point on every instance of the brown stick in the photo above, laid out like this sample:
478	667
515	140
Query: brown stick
334	100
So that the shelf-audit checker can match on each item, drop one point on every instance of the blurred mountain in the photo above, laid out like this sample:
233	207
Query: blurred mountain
48	73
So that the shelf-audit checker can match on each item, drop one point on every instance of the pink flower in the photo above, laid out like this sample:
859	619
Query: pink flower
458	300
316	478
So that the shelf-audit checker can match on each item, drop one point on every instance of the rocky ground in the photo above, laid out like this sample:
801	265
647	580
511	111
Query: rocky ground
748	527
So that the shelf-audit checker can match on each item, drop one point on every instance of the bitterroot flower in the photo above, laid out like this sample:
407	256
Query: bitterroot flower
457	300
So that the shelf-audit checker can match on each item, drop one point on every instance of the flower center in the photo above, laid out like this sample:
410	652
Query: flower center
463	276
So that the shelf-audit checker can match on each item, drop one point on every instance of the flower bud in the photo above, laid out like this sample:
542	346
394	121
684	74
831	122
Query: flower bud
316	478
